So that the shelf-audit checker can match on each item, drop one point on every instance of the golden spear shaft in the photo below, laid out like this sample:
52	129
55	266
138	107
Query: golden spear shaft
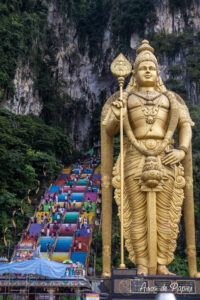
121	68
121	83
152	231
189	219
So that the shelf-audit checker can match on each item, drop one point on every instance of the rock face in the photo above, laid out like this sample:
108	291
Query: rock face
86	79
26	99
177	21
81	78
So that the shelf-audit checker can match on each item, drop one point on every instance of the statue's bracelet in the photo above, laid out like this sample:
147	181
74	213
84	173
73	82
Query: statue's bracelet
185	149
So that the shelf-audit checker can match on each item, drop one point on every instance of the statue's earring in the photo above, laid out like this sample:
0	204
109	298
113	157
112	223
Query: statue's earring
135	85
158	81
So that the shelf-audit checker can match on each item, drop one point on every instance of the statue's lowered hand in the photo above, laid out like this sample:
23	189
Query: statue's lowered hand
174	156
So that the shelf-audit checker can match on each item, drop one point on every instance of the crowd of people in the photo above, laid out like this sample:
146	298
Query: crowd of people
75	269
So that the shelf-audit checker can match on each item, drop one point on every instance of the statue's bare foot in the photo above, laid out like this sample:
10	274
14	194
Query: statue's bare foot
142	270
162	270
196	275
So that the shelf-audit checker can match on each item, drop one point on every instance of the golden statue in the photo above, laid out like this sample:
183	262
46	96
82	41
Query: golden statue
157	177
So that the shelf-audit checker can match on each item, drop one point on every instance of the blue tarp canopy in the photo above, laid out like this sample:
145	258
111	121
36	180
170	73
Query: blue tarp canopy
40	266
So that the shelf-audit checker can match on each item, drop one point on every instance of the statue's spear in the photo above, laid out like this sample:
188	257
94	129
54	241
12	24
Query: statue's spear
121	68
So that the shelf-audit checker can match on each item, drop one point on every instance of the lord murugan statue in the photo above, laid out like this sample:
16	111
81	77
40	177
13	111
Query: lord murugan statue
157	175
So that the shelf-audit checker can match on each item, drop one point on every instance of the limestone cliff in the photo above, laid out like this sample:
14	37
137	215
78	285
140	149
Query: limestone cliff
26	99
177	21
88	79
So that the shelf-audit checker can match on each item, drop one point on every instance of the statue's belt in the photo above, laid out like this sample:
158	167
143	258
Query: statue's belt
148	143
130	153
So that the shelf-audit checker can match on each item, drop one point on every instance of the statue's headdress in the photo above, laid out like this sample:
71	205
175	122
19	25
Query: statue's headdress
145	53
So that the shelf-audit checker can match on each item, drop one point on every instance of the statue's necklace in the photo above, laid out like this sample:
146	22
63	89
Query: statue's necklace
150	108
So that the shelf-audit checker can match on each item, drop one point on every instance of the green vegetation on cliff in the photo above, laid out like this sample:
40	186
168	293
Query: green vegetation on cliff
185	44
130	17
21	37
92	17
26	39
179	4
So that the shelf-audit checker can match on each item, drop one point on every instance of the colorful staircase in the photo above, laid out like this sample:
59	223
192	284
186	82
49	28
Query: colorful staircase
63	224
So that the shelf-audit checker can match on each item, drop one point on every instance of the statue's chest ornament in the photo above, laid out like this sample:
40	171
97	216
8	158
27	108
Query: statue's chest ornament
150	109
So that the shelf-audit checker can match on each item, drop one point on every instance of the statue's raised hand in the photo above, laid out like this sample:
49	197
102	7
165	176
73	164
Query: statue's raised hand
173	156
117	105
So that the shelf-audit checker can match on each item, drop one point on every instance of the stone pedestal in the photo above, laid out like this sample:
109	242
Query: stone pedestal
126	284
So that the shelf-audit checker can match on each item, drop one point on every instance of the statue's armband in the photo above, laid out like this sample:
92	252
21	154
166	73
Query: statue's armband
184	117
184	126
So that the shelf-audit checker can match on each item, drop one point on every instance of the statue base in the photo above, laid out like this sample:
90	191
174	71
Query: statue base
126	284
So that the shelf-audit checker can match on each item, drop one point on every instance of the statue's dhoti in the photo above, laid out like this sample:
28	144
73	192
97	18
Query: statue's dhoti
168	205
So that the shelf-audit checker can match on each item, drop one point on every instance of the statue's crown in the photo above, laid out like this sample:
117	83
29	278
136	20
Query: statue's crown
145	53
145	46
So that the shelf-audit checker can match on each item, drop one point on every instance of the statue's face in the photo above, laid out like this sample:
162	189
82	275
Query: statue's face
146	74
